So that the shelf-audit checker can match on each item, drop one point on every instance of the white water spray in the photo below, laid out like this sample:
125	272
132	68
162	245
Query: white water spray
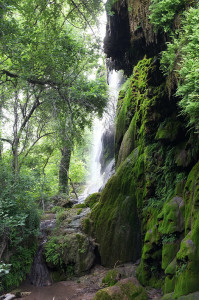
97	180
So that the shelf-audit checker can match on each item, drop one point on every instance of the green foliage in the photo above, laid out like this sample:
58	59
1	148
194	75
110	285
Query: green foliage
60	216
181	267
48	84
53	251
78	171
79	211
4	269
111	278
109	5
19	221
163	12
169	238
169	57
21	263
17	209
181	58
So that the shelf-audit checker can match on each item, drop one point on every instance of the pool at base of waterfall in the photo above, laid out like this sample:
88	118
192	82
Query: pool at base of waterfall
83	288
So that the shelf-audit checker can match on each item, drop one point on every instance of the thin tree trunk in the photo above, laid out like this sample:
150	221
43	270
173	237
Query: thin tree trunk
15	144
64	169
1	143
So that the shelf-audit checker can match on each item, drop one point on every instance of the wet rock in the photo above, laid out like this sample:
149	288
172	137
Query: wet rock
68	248
107	152
79	252
62	200
125	289
173	216
192	296
39	275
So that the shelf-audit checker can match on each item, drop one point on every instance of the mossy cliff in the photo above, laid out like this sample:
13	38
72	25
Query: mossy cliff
149	208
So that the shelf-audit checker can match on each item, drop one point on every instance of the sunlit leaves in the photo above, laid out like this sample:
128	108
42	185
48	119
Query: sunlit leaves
163	12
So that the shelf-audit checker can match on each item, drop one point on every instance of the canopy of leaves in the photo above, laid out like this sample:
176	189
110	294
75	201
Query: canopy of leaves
46	57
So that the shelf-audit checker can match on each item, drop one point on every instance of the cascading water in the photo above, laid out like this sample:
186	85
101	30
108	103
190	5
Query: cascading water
103	136
39	275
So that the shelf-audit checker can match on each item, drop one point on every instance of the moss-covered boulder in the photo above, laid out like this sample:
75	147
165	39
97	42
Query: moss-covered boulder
111	278
125	289
169	130
115	220
69	251
149	271
73	253
191	198
92	199
172	217
79	252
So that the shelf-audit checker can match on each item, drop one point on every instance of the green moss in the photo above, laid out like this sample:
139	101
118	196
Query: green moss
187	276
125	289
171	268
169	251
80	205
168	130
134	106
188	263
149	271
92	199
173	217
191	197
111	277
128	142
102	295
169	284
87	226
79	211
116	223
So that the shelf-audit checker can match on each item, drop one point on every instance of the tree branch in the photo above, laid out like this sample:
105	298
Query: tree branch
74	4
28	151
6	140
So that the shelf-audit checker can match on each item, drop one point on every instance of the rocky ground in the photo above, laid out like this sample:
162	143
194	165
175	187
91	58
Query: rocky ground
77	288
82	288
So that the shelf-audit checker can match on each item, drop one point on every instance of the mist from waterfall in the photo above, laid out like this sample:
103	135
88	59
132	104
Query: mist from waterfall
97	179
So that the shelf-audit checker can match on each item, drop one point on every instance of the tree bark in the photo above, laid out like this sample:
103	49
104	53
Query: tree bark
64	169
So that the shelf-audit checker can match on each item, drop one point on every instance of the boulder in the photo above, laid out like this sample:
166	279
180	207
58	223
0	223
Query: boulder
125	289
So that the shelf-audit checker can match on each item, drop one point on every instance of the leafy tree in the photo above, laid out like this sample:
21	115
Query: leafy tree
47	60
46	99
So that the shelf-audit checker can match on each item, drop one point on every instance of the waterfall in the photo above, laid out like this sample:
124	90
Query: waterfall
39	274
101	167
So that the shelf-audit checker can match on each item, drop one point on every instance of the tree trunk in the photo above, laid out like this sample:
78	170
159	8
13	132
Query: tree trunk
64	169
1	144
15	144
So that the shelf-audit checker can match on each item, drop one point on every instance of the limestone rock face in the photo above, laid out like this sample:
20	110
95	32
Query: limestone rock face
157	168
68	250
129	29
116	225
